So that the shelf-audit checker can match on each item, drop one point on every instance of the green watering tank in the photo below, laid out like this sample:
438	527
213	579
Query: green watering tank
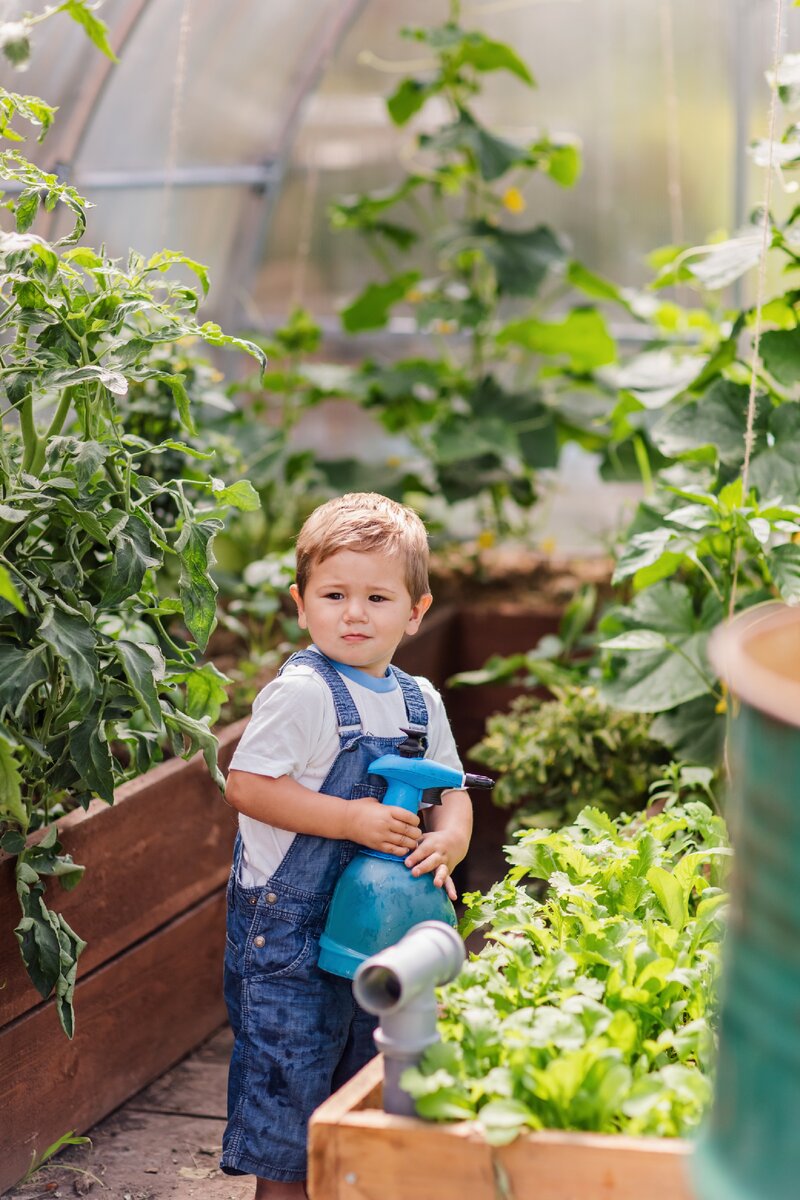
751	1146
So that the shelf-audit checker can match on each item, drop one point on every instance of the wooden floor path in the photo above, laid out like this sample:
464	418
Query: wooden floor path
163	1144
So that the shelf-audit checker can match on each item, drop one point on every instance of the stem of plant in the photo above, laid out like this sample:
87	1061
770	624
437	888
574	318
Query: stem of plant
643	463
29	436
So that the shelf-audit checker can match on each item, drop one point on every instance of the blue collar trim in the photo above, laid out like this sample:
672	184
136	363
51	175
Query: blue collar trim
373	683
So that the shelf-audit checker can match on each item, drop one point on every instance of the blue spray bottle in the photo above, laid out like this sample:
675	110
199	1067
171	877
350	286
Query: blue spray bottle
377	899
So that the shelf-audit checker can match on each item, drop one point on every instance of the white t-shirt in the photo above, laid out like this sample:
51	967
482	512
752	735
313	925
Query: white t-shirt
293	731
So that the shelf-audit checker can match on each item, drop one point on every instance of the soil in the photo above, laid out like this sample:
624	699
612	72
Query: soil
164	1144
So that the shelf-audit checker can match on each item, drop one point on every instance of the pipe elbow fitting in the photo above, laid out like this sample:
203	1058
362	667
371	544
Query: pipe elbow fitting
429	955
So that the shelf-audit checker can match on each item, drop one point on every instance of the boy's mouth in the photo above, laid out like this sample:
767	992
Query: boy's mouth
354	637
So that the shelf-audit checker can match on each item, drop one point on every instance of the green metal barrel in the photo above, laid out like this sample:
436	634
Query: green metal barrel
751	1146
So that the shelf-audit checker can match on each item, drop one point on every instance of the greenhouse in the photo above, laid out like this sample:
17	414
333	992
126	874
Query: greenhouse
400	600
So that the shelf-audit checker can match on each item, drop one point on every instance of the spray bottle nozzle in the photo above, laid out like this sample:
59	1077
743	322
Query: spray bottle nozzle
434	795
478	781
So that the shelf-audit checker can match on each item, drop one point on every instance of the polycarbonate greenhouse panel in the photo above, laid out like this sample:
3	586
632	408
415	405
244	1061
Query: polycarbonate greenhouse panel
244	64
279	106
181	142
602	71
205	223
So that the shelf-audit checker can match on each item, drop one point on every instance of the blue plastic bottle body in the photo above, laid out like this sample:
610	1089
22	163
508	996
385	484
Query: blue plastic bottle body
377	899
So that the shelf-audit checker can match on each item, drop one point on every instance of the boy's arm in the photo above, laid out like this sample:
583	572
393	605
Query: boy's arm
445	841
286	804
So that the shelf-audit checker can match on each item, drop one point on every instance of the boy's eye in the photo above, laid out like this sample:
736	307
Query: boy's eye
379	598
334	595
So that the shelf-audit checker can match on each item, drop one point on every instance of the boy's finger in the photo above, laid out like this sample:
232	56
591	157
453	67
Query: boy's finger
404	836
402	814
417	855
421	862
442	879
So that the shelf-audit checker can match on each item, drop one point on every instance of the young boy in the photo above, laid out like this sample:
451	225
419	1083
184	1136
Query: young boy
299	780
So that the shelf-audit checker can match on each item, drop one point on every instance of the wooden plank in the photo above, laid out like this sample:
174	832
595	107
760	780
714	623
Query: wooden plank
500	628
137	1016
579	1166
358	1152
481	632
161	847
362	1091
407	1160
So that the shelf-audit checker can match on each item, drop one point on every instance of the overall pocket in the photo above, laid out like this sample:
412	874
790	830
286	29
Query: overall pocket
277	948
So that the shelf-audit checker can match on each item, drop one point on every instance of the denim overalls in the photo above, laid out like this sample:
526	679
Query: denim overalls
299	1034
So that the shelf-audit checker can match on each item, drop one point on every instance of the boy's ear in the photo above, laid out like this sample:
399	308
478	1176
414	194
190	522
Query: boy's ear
294	592
418	611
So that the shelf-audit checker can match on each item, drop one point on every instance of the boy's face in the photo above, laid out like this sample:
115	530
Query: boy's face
357	607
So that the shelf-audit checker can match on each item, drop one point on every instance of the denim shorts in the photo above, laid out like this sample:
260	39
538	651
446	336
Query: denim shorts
299	1035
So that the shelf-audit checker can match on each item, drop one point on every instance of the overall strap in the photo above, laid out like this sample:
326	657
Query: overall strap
347	718
416	709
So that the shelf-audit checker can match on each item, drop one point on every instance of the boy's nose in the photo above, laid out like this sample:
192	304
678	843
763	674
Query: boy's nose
355	611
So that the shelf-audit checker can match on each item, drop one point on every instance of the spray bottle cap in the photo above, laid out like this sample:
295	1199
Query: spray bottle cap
414	746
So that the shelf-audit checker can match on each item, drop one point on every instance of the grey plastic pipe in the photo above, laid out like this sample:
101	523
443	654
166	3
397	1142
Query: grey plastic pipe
397	985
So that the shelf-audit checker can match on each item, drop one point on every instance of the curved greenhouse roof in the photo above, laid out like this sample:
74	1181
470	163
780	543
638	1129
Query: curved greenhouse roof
224	130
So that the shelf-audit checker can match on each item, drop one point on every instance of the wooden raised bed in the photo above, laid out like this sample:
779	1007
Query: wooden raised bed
504	628
151	908
359	1152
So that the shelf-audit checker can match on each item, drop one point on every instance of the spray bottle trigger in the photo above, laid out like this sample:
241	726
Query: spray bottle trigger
431	796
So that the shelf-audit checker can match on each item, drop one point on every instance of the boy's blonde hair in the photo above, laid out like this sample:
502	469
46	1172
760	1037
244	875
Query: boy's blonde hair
364	522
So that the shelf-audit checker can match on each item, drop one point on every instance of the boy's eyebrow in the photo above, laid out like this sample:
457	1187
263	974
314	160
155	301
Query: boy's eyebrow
330	585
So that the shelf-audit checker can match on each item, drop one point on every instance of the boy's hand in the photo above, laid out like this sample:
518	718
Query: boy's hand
438	851
381	826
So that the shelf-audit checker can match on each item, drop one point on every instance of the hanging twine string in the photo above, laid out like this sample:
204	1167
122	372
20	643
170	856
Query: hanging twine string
308	195
176	117
762	273
306	231
674	189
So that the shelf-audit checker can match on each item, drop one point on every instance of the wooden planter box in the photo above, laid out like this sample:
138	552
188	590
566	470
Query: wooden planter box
481	631
152	909
359	1152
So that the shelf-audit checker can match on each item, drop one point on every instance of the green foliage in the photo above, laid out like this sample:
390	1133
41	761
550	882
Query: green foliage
39	1160
99	672
15	36
555	757
481	413
593	1008
82	12
28	108
259	423
706	542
